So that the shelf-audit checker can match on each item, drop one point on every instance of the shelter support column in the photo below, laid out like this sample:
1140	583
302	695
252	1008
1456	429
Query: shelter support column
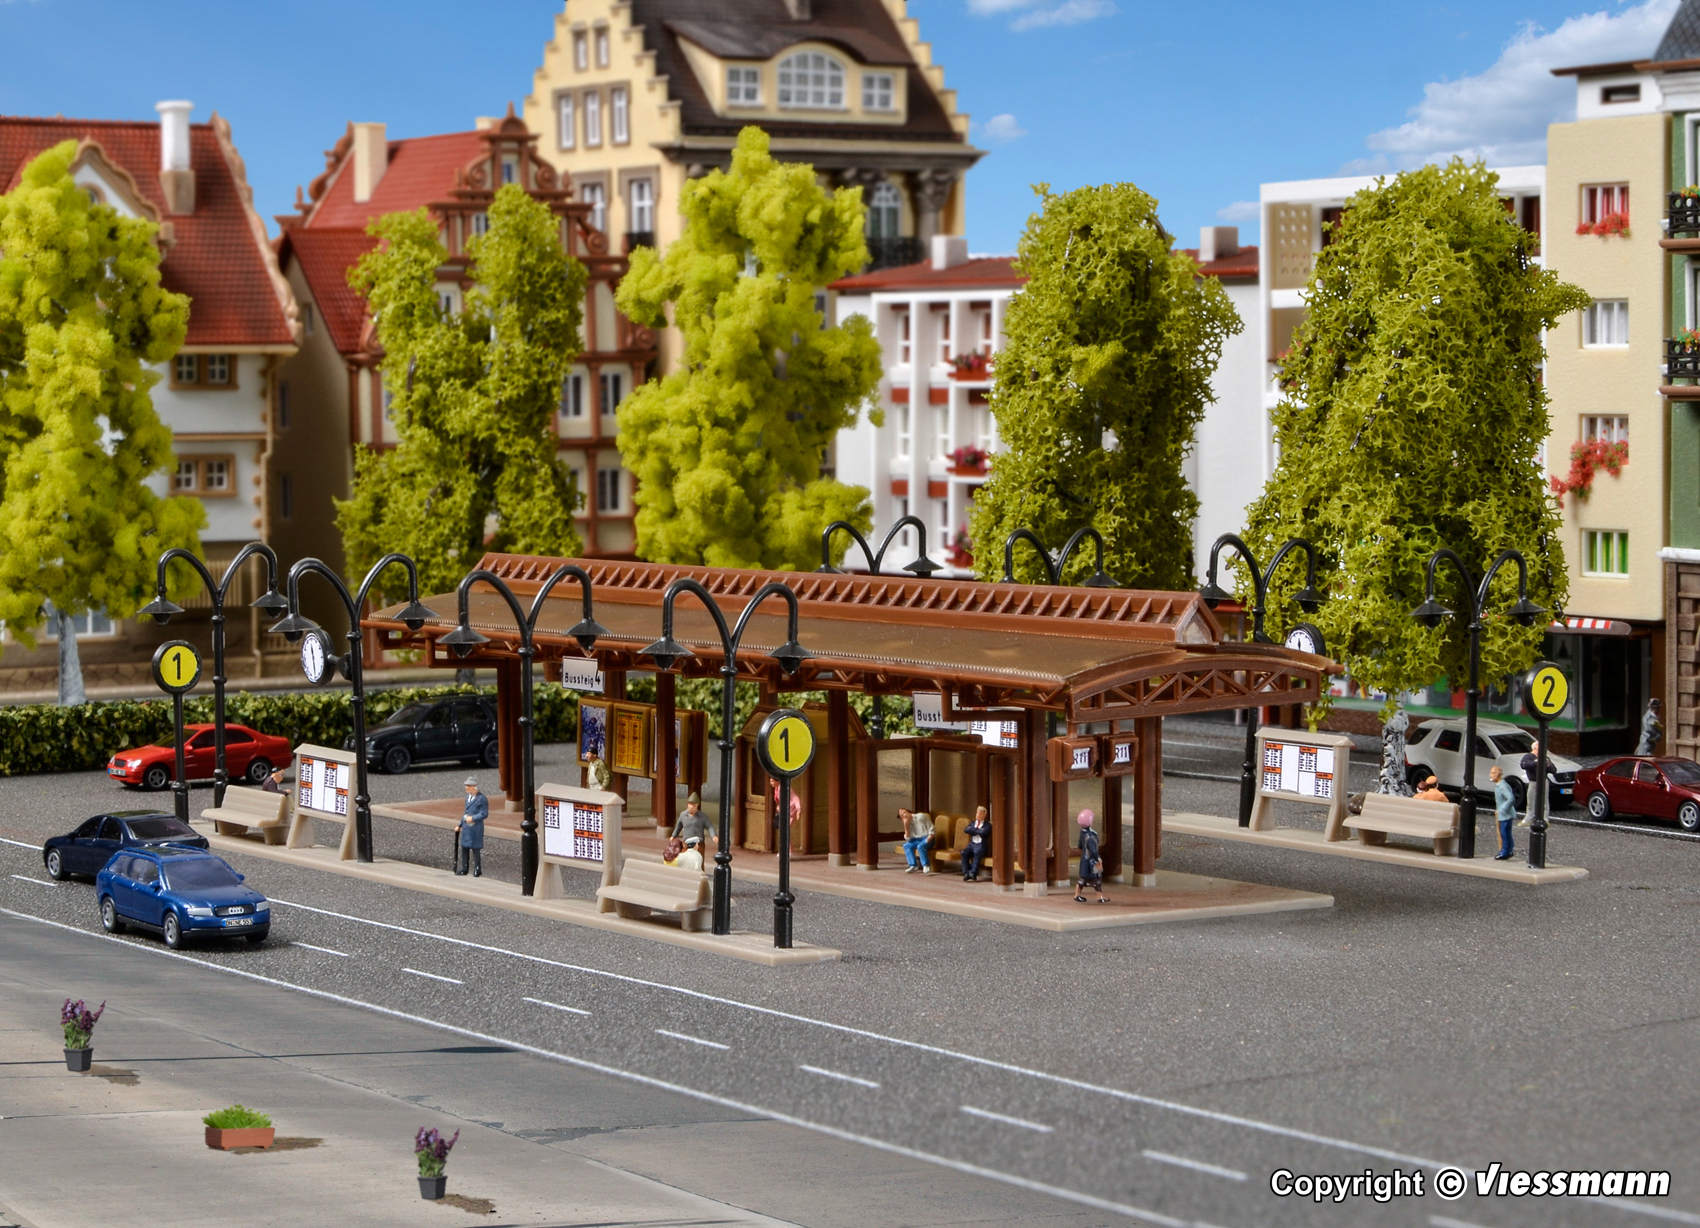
1061	835
615	688
1111	846
510	774
867	807
838	838
663	799
1147	800
1035	801
1002	794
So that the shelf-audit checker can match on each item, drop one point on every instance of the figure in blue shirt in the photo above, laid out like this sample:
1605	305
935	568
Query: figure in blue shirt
1505	807
472	829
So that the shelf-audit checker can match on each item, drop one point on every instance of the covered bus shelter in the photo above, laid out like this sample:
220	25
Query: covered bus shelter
1057	662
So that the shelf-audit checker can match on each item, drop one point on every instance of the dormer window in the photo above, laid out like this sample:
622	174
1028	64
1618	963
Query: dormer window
510	169
1620	93
581	51
878	91
743	87
810	80
602	48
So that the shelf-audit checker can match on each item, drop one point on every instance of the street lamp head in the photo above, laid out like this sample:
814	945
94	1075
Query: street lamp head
1214	594
1308	598
271	603
922	567
790	655
1101	579
416	614
665	651
827	569
1526	613
587	631
1431	613
463	639
161	608
294	627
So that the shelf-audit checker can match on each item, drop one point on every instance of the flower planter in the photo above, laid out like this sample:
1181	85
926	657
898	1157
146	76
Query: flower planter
969	471
78	1059
253	1136
970	374
433	1188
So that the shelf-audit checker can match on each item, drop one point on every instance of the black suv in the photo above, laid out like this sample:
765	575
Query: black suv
461	728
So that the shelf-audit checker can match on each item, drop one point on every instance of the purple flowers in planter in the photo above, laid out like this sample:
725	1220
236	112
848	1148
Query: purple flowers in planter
432	1151
78	1021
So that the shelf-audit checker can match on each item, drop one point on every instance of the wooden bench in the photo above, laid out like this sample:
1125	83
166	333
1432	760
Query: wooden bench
648	886
1385	814
245	808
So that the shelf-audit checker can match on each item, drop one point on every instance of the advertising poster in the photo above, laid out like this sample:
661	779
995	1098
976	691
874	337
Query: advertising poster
592	730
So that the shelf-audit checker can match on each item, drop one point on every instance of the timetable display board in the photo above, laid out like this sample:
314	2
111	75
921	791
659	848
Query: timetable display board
574	830
580	828
1004	734
1300	768
1295	766
324	789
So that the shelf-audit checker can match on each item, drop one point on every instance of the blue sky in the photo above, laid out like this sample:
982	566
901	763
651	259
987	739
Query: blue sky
1196	104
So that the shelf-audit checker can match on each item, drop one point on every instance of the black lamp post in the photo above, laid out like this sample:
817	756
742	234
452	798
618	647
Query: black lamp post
1431	614
296	625
1214	594
922	566
271	602
666	650
1054	566
463	639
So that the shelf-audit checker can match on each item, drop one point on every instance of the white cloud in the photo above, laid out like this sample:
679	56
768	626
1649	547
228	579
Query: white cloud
1239	211
1002	129
1037	13
1501	115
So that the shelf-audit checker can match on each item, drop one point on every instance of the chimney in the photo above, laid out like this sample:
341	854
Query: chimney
371	154
949	251
176	172
800	10
1217	243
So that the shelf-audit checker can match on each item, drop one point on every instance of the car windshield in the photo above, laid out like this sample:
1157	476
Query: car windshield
1682	771
199	875
410	715
1513	743
160	827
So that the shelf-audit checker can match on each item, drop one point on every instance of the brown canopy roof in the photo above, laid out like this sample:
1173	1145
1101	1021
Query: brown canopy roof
1094	654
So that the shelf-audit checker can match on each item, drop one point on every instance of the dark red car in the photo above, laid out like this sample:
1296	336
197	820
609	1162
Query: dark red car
247	753
1653	787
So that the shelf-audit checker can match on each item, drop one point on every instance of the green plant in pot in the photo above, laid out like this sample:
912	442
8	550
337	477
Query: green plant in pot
431	1149
79	1021
238	1126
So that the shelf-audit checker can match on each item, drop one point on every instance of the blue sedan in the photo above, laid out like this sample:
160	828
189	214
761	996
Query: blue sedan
179	893
92	845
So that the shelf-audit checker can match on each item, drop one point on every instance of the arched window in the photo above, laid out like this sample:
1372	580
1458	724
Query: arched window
812	80
885	211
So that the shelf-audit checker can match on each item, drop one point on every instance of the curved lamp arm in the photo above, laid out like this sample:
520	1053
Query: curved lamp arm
588	630
1308	597
826	566
1099	578
1524	612
1431	613
1214	594
922	566
667	650
1027	535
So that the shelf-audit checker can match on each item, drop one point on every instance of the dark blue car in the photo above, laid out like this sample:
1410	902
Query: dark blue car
92	845
180	893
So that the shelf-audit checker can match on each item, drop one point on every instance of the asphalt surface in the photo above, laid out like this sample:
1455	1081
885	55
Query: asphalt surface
1161	1073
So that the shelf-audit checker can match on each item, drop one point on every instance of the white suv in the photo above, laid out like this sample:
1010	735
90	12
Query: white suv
1436	748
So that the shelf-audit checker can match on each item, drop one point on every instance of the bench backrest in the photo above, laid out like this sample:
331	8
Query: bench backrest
650	876
1393	806
256	802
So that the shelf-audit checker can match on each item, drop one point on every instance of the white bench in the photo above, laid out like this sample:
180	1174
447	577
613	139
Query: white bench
1385	814
647	886
245	808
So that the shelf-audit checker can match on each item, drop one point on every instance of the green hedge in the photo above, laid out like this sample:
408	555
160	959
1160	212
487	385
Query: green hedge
50	738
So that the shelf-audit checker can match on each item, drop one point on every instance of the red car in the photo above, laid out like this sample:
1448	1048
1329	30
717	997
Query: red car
247	753
1642	785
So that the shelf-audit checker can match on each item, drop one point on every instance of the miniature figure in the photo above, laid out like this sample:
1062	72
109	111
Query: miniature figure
471	829
1652	729
671	850
796	806
917	839
1505	807
1091	861
274	782
1530	764
693	822
979	834
600	775
1430	792
691	858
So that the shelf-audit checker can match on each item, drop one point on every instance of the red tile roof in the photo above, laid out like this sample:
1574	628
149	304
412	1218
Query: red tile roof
1241	265
988	271
220	258
421	170
326	256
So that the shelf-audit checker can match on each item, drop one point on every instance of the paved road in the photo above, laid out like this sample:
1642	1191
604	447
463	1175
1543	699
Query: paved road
1160	1074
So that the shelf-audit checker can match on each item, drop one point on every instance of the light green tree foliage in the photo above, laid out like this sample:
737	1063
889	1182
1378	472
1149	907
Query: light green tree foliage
1413	419
473	397
81	312
1105	375
728	448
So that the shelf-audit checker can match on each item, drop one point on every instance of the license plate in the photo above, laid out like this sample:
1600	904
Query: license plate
235	921
1564	792
114	771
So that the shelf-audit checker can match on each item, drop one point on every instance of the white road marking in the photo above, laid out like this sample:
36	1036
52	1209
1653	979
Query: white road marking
21	844
695	1040
556	1006
833	1074
1442	1221
1008	1121
321	950
433	976
28	879
1197	1166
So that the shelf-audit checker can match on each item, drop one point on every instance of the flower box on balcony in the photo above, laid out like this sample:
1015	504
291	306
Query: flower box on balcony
968	471
1683	211
1682	355
970	367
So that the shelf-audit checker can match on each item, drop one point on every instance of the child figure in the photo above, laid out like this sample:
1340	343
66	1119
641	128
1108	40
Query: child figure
1091	862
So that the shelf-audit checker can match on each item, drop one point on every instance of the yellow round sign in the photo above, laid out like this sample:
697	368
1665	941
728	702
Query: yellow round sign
176	666
787	743
1548	690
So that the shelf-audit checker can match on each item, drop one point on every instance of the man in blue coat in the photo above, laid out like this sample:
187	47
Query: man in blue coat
472	829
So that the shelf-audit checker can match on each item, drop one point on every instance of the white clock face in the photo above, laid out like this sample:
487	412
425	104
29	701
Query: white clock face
313	658
1304	638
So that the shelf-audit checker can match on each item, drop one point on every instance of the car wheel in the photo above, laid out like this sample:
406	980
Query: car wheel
1416	773
1519	790
1599	805
55	862
172	931
397	759
109	919
492	753
258	770
257	937
1688	816
156	778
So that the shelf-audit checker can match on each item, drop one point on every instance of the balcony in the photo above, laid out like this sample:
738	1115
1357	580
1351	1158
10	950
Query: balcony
1682	214
639	238
1682	361
890	253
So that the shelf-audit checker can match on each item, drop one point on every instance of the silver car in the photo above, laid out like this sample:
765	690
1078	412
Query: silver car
1436	748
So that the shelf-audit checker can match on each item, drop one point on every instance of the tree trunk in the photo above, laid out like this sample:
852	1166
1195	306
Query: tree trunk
1393	755
70	664
466	677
